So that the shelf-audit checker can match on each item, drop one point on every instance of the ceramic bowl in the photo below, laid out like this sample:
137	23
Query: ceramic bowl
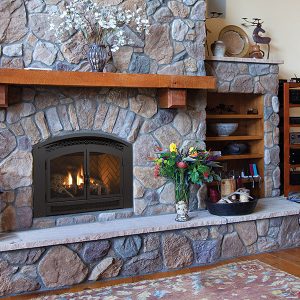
223	129
235	148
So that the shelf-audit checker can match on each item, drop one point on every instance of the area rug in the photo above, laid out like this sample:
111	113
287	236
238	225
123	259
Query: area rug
249	280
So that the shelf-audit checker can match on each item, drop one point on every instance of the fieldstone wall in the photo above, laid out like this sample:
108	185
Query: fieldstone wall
129	114
175	44
54	267
257	78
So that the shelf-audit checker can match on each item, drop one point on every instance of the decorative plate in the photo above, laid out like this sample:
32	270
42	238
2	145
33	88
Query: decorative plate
236	41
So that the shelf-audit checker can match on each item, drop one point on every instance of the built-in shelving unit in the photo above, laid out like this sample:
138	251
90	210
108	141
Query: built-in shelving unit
290	110
250	131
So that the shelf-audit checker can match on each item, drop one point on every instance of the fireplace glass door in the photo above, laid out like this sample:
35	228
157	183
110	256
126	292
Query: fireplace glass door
67	177
82	175
104	174
72	176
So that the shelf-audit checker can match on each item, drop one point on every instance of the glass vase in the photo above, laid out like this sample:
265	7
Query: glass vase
97	56
182	198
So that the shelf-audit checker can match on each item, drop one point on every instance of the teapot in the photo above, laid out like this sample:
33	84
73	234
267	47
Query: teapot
256	52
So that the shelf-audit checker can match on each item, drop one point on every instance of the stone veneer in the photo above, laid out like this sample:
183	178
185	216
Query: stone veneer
237	76
129	114
38	269
177	28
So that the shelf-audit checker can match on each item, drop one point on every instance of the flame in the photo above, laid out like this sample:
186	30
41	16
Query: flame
79	177
70	179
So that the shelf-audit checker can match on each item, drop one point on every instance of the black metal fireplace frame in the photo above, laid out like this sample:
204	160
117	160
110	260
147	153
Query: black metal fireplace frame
80	142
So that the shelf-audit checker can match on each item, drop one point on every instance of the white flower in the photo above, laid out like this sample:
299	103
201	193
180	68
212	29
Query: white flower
98	23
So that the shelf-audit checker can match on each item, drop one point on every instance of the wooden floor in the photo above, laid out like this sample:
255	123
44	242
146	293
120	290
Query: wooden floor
285	260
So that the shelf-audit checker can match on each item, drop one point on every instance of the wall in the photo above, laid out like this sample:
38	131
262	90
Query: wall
177	27
38	269
281	22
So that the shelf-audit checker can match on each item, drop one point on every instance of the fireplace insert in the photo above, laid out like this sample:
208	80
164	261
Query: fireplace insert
80	173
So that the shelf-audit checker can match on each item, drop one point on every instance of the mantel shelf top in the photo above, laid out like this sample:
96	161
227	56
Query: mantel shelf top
93	79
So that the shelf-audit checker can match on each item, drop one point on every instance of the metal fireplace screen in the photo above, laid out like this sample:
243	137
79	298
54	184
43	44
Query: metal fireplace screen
81	173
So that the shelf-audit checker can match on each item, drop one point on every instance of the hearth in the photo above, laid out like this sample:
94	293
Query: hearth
81	172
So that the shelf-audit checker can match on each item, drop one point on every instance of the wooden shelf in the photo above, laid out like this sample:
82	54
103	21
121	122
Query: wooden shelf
173	87
295	166
294	105
244	181
293	146
293	85
293	188
233	138
294	125
233	116
241	156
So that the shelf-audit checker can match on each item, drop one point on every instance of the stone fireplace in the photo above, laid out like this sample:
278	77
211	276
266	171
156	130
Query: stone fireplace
127	115
132	116
49	122
60	145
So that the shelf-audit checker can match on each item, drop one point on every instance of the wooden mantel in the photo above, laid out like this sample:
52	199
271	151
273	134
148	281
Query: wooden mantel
172	94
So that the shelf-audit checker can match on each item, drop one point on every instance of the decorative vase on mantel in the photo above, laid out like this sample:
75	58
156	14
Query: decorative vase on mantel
182	198
98	57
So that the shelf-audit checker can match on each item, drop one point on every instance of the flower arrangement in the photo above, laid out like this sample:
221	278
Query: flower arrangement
98	23
184	167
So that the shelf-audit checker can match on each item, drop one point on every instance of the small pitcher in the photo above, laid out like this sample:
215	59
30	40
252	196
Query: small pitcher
218	48
256	52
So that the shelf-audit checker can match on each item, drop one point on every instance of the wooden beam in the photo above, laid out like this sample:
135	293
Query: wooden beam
172	98
93	79
3	96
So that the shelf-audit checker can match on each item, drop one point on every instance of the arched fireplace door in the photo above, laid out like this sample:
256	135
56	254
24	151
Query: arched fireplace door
80	173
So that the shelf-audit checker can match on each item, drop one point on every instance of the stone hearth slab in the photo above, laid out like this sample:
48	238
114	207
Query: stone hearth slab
266	208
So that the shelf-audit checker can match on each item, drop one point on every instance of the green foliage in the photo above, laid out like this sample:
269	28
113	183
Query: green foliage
193	166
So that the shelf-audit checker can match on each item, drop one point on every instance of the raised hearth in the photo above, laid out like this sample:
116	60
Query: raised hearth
81	173
266	208
136	246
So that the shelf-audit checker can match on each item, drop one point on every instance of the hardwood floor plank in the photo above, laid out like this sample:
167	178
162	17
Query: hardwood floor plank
290	257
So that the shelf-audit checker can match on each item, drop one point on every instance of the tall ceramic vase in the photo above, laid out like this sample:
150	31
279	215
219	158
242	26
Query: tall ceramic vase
97	56
182	198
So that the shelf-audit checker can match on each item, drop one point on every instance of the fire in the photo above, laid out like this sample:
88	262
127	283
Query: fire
70	179
79	177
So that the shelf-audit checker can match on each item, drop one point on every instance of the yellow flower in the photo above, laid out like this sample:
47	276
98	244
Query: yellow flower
191	150
173	147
